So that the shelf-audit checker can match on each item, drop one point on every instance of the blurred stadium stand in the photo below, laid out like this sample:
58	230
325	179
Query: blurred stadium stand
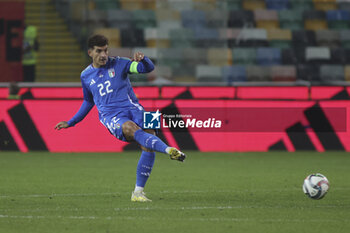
60	57
200	41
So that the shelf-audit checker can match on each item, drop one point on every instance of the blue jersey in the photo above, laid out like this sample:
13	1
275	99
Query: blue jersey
109	87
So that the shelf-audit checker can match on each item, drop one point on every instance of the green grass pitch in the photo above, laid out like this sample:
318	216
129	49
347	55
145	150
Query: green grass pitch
210	192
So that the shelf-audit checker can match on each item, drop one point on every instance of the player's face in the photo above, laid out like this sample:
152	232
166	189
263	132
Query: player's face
99	55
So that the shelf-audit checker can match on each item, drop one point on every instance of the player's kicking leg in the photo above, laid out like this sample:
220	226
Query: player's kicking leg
133	132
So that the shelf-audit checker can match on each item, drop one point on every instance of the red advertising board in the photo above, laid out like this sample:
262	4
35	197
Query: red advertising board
245	124
11	37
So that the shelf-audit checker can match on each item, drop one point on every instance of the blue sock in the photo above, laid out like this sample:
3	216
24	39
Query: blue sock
144	168
150	141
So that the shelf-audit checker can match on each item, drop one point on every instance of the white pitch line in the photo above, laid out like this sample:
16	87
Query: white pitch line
59	195
116	193
183	208
136	208
162	192
211	208
151	208
172	219
104	194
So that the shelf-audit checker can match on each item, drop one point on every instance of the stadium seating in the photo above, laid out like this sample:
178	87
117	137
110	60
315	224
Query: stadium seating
244	55
236	73
340	56
131	5
207	5
251	38
301	4
144	19
157	37
194	56
325	4
257	73
314	20
268	56
121	19
317	55
277	4
193	19
181	37
267	19
240	18
338	19
345	38
170	57
219	56
180	5
105	5
308	72
132	38
216	19
279	38
291	19
260	40
347	73
208	37
205	73
344	5
286	73
303	38
330	73
232	5
329	38
168	14
253	4
290	57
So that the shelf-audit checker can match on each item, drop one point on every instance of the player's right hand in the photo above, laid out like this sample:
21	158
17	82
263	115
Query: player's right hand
61	125
138	56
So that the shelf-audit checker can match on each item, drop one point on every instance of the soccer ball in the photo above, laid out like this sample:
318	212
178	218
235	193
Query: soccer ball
316	186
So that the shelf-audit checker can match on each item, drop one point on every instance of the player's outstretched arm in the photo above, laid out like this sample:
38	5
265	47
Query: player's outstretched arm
61	125
80	115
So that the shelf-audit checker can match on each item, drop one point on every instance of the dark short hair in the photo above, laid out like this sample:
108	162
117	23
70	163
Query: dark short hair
97	40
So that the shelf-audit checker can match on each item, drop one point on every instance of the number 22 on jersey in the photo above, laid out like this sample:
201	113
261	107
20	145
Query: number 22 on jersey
103	90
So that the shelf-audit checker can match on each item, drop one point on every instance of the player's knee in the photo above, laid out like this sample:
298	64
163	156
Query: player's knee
129	129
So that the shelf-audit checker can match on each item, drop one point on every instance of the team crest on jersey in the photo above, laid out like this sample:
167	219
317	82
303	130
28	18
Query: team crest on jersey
111	73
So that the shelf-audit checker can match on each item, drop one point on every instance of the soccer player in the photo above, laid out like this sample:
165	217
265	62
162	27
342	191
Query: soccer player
106	84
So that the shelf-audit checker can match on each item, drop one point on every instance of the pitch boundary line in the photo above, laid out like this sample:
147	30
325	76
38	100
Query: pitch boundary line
162	192
172	219
184	208
59	195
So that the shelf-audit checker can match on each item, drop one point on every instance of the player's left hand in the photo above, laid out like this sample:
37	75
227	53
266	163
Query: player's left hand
138	56
62	125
